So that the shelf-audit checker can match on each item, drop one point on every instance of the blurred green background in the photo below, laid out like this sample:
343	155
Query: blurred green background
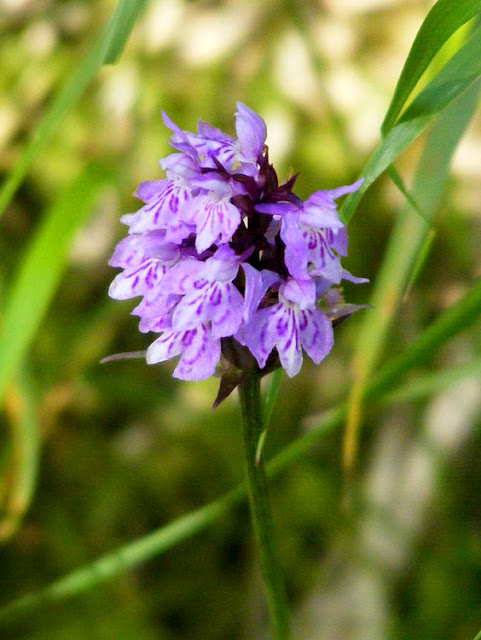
124	448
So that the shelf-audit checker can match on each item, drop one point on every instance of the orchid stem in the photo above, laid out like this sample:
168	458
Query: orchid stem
250	398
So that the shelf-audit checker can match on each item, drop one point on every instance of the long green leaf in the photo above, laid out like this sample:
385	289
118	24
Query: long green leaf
24	456
41	269
405	243
104	50
444	19
458	73
454	78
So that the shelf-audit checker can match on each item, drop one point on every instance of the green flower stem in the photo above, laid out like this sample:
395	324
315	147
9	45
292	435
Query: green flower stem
250	398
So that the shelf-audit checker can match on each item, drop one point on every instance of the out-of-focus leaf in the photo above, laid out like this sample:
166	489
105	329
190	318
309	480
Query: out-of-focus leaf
105	50
41	270
22	473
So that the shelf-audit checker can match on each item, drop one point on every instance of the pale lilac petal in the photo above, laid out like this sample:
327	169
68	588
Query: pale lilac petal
288	342
341	191
167	346
200	353
301	292
164	210
222	266
221	304
277	208
216	221
316	334
348	276
251	132
256	285
138	281
258	336
181	166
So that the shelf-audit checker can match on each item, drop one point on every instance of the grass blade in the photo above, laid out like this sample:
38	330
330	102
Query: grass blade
458	73
444	19
41	270
21	474
405	244
105	49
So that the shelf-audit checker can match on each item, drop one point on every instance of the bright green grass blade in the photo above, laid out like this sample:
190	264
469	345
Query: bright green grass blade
41	270
185	527
404	246
478	637
386	153
105	49
444	19
454	78
458	73
25	449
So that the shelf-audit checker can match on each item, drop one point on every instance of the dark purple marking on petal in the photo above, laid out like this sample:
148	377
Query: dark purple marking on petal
303	321
215	297
199	284
188	337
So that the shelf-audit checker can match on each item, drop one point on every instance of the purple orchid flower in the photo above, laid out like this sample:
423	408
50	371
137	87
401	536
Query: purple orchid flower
228	263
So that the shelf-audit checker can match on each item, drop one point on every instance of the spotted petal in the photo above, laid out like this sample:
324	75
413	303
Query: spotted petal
199	352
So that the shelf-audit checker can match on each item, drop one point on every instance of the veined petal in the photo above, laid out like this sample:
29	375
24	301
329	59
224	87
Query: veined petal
137	281
216	220
316	334
163	210
219	303
200	352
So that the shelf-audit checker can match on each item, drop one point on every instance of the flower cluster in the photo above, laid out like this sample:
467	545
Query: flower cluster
227	261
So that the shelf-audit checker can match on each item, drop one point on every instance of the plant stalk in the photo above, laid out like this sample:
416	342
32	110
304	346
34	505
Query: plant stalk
250	398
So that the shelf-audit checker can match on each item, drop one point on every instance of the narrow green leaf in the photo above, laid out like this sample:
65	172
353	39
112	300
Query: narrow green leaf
41	270
120	27
24	459
397	180
401	256
105	49
444	19
408	129
271	395
458	73
387	151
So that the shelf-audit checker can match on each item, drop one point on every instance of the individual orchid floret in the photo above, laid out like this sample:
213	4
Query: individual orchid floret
292	324
212	214
145	259
313	234
234	270
208	295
